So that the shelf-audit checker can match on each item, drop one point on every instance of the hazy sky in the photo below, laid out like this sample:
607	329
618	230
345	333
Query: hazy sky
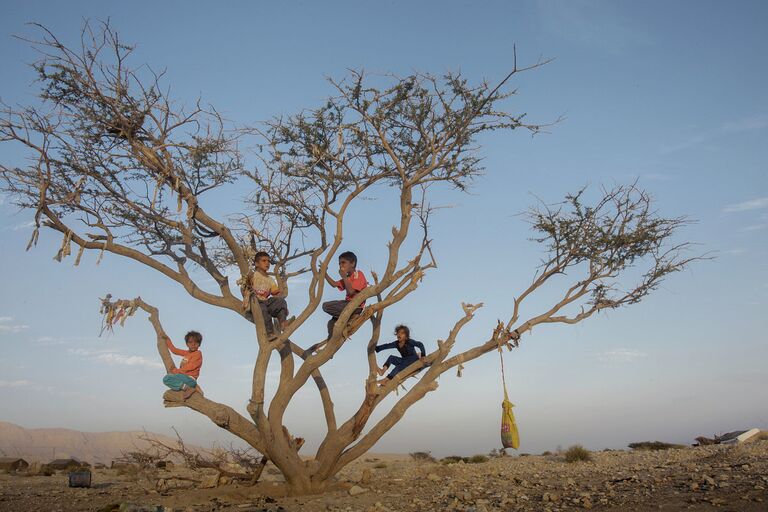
668	93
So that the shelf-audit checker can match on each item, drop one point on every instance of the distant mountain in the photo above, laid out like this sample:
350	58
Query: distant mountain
45	444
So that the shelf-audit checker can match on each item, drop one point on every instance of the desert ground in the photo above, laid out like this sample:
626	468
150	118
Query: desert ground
722	477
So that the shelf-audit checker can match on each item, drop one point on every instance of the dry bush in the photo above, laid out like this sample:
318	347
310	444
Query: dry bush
423	457
222	460
577	453
654	445
476	459
498	452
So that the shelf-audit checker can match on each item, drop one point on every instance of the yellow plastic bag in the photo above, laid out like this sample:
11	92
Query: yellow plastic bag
509	435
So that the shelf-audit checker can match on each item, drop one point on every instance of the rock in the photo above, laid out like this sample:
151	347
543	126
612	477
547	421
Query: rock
365	478
130	507
356	489
433	477
209	481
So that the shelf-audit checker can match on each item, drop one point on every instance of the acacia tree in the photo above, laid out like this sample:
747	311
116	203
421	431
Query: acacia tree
115	166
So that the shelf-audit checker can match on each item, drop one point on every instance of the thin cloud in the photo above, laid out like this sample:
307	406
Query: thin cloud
743	125
23	225
6	325
110	357
747	124
15	383
755	227
621	355
121	359
602	27
63	340
745	206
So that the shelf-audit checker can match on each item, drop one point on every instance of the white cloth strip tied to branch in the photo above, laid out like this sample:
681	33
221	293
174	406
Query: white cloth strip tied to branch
66	248
117	311
79	255
33	238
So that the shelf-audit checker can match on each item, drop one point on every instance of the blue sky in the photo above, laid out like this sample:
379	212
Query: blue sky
670	94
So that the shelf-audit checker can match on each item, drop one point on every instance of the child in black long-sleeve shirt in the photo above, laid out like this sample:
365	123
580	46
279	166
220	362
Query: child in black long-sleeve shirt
407	348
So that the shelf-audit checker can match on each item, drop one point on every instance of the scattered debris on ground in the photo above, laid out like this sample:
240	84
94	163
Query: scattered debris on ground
727	476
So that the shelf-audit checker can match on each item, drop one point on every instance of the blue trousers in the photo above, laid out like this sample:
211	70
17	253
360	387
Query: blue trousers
399	364
179	381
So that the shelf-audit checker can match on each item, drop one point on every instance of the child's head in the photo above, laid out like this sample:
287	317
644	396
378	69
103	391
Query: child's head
347	261
402	332
262	261
193	340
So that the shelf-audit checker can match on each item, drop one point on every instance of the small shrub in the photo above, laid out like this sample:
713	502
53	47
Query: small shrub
452	459
577	453
380	465
498	452
654	445
525	455
423	457
476	459
128	470
547	453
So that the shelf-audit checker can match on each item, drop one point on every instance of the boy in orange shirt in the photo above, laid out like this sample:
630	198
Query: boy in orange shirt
184	378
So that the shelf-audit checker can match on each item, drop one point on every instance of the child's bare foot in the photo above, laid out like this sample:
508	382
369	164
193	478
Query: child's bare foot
285	323
189	392
317	347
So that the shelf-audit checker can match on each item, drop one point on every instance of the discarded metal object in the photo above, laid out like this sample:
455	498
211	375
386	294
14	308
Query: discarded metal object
740	437
80	478
735	437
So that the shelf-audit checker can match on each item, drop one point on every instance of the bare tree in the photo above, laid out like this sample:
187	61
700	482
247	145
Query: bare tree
116	166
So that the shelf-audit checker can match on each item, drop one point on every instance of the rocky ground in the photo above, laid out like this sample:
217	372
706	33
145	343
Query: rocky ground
727	478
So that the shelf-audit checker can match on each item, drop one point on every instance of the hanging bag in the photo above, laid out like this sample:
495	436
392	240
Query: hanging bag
509	435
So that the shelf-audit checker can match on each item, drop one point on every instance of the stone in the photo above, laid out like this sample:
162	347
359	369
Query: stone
433	477
365	477
356	489
210	481
130	507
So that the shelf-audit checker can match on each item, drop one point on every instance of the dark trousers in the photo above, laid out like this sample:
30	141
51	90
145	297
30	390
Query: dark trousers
273	307
334	308
399	363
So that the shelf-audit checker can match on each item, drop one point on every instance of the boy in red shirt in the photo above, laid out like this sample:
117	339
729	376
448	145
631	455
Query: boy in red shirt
184	378
352	281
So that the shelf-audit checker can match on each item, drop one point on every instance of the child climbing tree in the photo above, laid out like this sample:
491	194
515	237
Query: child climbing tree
118	168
